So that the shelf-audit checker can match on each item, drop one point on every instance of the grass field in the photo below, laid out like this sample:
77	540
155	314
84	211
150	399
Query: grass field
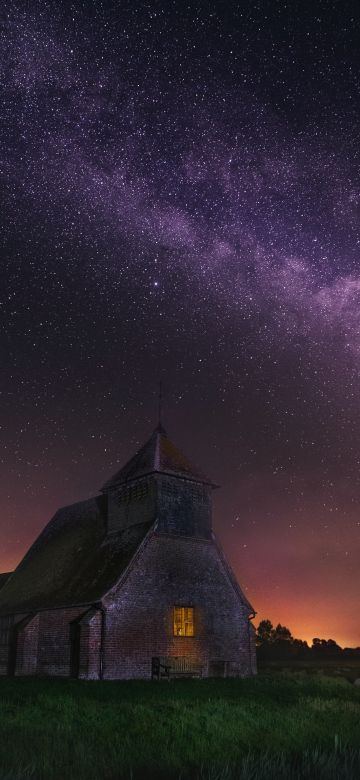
278	725
349	668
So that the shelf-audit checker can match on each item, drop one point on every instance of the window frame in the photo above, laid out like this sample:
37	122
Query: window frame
183	621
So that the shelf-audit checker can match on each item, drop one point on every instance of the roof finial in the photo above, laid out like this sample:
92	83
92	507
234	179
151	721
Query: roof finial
160	398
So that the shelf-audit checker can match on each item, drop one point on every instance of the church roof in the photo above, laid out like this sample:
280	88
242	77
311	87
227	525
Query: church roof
72	561
158	456
4	576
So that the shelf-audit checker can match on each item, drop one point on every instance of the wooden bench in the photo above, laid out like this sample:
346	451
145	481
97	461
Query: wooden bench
174	666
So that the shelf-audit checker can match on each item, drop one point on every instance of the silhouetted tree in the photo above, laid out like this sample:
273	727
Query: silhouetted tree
283	634
325	646
278	643
301	644
264	632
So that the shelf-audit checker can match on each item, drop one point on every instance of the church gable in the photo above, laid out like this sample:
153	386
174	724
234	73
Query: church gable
173	579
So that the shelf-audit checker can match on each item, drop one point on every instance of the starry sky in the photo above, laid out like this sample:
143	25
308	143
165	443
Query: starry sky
180	199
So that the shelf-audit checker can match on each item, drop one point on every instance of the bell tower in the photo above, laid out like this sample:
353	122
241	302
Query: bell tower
160	484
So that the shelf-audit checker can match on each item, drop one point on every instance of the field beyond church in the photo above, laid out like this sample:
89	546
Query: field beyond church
296	725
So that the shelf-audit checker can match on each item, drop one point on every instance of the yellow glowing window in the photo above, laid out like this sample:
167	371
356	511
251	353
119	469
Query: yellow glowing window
183	621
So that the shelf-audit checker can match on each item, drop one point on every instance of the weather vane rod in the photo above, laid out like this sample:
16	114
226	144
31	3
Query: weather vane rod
160	404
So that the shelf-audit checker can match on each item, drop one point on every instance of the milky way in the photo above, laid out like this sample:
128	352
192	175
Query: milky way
181	199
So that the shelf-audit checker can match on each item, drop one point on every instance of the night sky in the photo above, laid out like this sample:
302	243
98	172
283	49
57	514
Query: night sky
180	199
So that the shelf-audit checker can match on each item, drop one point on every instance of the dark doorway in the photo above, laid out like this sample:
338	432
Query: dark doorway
74	648
13	642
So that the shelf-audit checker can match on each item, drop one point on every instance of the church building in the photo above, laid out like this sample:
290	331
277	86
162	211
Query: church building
129	584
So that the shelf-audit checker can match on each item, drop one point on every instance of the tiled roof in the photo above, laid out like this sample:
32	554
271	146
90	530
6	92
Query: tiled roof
72	561
4	576
158	455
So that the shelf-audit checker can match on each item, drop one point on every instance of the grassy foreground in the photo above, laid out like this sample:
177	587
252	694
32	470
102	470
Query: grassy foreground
331	667
277	725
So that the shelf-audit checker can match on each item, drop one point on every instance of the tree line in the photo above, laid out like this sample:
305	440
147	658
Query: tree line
278	642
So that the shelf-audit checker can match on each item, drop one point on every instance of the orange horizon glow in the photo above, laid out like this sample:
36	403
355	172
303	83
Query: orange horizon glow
291	570
283	613
303	631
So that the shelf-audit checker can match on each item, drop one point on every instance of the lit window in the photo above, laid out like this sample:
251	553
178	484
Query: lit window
183	621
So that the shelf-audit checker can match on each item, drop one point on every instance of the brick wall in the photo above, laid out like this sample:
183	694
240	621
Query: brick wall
27	642
43	643
54	647
6	627
172	571
90	645
168	571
